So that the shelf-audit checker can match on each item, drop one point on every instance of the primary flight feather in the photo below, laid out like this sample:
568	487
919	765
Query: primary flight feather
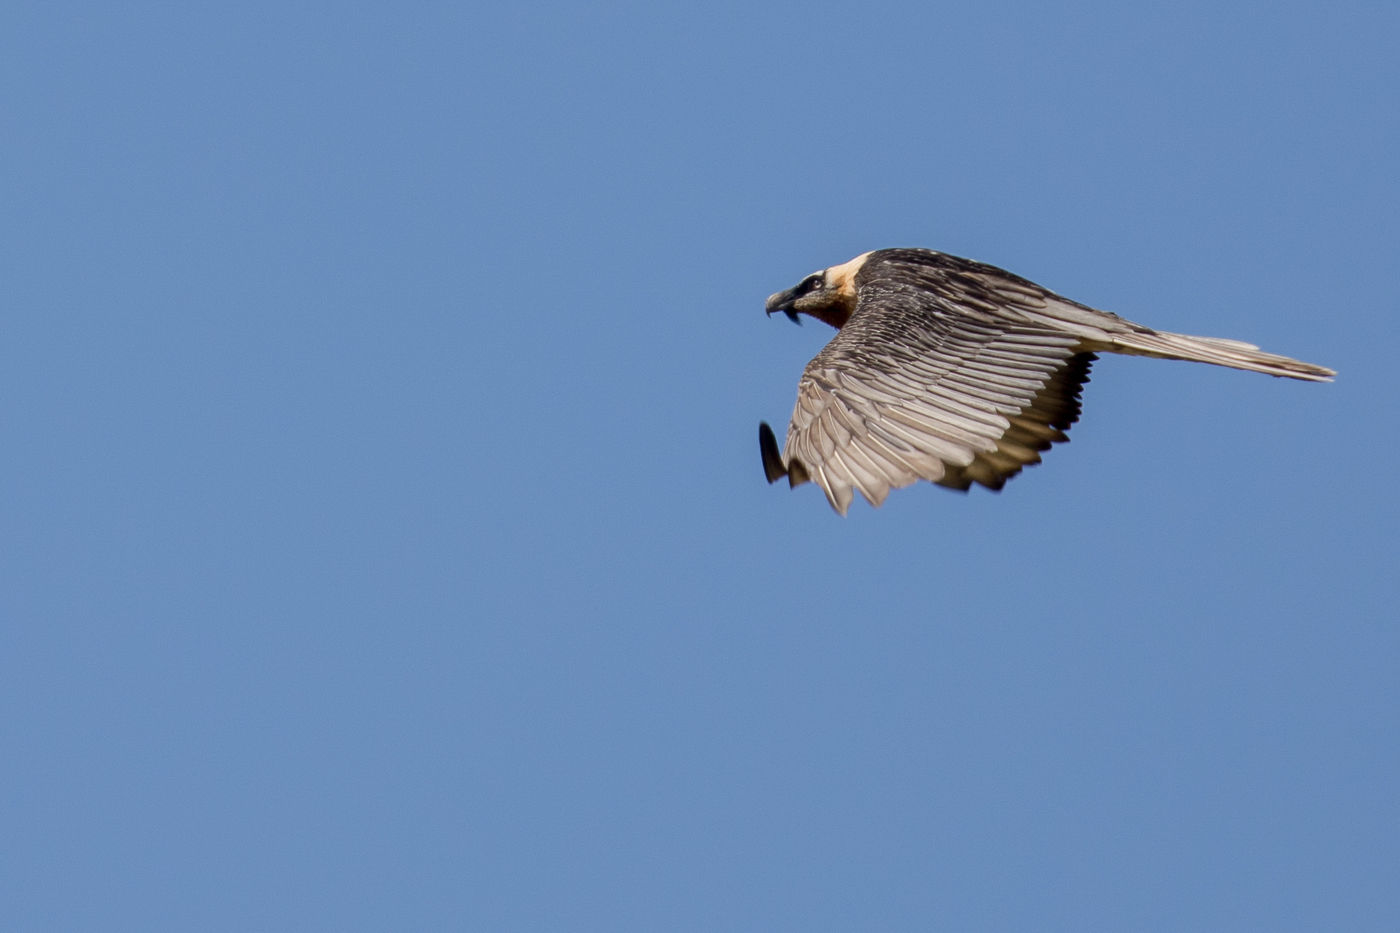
952	371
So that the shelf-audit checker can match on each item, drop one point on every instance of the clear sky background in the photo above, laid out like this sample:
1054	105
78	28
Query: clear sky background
386	547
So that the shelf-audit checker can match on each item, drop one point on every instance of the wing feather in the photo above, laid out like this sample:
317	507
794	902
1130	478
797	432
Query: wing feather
907	395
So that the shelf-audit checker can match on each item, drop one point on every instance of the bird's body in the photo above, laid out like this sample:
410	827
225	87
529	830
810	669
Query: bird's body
953	371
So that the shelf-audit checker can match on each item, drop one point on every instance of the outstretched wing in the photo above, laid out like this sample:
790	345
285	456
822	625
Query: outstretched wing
909	391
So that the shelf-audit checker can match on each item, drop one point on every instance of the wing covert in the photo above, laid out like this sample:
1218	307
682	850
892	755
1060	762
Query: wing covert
905	394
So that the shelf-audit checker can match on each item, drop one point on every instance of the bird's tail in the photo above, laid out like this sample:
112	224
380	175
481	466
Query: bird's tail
1233	353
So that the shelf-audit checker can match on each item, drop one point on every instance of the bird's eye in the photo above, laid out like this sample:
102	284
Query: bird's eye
813	283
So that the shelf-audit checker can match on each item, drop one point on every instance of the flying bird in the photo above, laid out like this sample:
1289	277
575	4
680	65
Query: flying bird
952	371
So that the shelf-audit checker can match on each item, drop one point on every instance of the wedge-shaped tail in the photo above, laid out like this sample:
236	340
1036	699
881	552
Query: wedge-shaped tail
1233	353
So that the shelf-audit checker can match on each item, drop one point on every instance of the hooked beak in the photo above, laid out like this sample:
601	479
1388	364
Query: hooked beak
782	301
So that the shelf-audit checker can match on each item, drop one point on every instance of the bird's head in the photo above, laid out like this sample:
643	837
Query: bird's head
828	295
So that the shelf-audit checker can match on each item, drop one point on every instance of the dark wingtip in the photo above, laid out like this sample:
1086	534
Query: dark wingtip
773	467
797	474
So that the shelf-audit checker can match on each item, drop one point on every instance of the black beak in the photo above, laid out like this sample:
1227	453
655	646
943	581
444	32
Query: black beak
782	301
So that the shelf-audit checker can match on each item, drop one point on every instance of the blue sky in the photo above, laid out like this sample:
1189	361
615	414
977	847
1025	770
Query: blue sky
385	539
